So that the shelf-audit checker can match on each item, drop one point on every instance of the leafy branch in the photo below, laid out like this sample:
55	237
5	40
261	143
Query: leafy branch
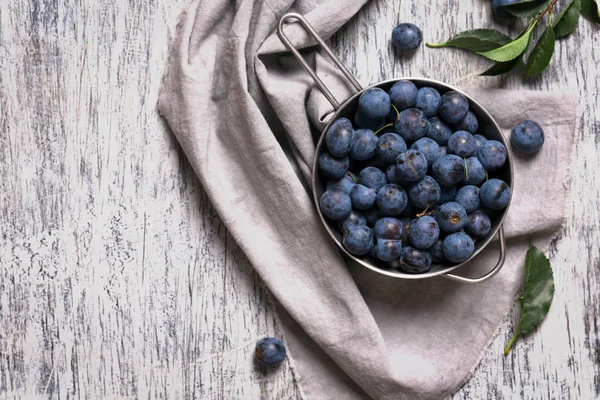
508	52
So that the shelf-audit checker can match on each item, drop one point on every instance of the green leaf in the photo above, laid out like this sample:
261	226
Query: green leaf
527	9
542	53
512	50
476	40
589	9
502	67
537	293
566	21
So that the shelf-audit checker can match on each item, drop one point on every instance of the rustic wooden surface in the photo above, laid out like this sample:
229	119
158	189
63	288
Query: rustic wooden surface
117	278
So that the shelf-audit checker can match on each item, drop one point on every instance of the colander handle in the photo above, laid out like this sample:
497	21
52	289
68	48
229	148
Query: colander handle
307	67
490	274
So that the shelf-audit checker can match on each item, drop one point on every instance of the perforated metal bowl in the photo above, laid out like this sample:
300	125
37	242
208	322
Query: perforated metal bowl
487	127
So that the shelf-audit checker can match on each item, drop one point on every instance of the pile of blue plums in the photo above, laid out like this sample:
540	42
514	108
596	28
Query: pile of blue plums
410	181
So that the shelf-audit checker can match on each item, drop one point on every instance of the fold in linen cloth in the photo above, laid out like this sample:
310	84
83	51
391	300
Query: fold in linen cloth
242	110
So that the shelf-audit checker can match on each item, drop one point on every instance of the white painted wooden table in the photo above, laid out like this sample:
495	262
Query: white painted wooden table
117	278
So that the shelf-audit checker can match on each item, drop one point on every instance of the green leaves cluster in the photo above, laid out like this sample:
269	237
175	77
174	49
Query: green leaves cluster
508	52
536	294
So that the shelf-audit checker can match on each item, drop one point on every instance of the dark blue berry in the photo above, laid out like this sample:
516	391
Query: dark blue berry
391	199
495	194
527	137
453	107
411	124
374	103
439	131
407	36
363	198
462	143
474	173
403	95
449	170
372	177
345	183
355	218
468	197
389	228
411	166
389	146
339	137
358	240
270	351
492	155
478	224
414	261
424	232
387	250
428	101
458	247
332	167
469	123
335	204
451	217
364	144
424	193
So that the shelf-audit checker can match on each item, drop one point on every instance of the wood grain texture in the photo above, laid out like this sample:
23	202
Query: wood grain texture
118	279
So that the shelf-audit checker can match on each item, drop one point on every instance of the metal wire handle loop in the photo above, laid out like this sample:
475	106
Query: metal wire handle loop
313	74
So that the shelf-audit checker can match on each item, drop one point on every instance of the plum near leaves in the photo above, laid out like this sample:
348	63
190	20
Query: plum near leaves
336	204
407	36
458	247
339	137
527	137
495	194
270	351
358	240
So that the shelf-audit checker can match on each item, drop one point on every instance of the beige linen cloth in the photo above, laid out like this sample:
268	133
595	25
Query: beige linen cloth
242	110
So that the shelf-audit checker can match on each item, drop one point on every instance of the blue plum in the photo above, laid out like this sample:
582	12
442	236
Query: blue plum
474	173
391	199
462	143
339	137
424	232
428	101
389	228
437	253
414	261
527	137
411	166
389	146
439	131
407	36
429	148
374	103
447	194
372	177
403	95
335	204
492	155
448	170
453	107
451	217
358	240
469	123
270	351
478	224
355	218
364	144
345	183
499	11
388	250
411	124
333	167
363	198
468	197
495	194
424	193
458	247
